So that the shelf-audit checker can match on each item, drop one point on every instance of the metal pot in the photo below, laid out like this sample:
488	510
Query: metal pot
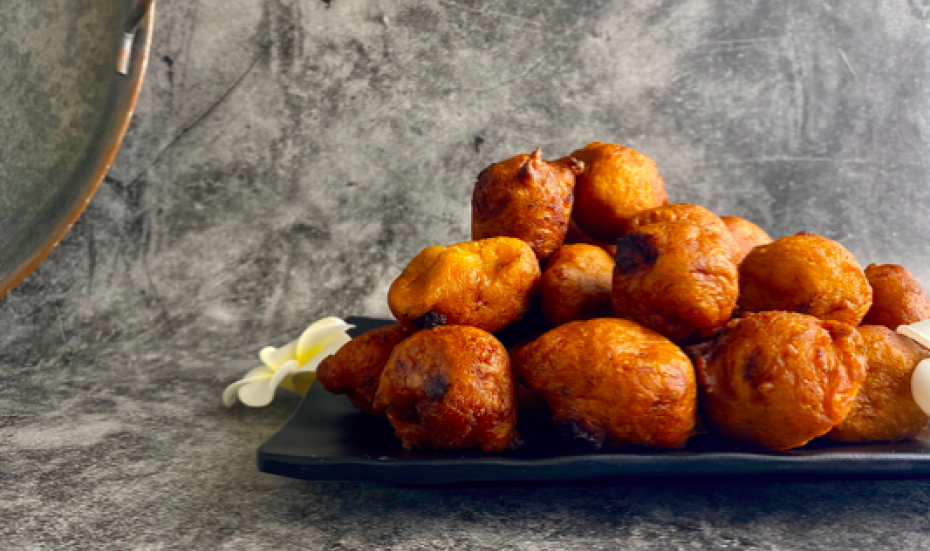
70	75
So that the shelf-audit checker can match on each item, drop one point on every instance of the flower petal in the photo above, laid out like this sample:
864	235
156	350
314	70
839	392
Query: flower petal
920	385
919	332
338	342
274	357
257	394
231	392
317	336
323	343
260	370
286	369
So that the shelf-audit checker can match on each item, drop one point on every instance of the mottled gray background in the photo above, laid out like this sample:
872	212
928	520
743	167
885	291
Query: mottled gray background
289	157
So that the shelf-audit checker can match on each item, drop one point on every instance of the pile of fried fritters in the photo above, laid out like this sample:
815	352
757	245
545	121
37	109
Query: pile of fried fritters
638	318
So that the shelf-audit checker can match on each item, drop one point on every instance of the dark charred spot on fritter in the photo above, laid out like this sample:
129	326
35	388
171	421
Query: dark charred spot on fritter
635	251
430	319
436	386
752	368
578	437
807	233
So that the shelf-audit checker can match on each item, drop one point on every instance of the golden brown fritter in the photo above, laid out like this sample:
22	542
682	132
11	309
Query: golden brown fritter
575	235
355	370
485	284
612	382
747	235
776	380
452	388
617	183
885	410
808	274
528	198
897	297
576	284
686	213
677	279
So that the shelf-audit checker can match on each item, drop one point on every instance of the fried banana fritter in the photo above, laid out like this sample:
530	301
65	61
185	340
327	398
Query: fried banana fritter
747	235
528	198
885	410
617	183
776	380
485	284
612	382
897	297
355	370
808	274
450	387
576	284
677	279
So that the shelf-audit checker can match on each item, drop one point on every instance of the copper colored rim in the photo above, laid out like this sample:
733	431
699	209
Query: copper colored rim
139	64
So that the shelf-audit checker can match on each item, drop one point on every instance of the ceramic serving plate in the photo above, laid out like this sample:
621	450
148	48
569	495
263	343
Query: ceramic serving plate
328	439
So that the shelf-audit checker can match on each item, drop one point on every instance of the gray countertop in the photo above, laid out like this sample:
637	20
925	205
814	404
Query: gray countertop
289	157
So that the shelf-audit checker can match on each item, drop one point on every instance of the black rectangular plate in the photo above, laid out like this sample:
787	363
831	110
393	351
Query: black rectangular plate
328	439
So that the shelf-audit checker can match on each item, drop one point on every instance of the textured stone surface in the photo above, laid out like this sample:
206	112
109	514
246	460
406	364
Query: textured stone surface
289	157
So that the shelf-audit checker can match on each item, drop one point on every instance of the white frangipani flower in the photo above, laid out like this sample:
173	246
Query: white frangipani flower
292	367
920	380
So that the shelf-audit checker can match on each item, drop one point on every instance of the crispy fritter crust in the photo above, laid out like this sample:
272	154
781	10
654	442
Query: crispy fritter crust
686	213
808	274
617	183
528	198
776	380
452	388
612	382
677	279
897	297
747	235
355	370
885	410
576	284
485	284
